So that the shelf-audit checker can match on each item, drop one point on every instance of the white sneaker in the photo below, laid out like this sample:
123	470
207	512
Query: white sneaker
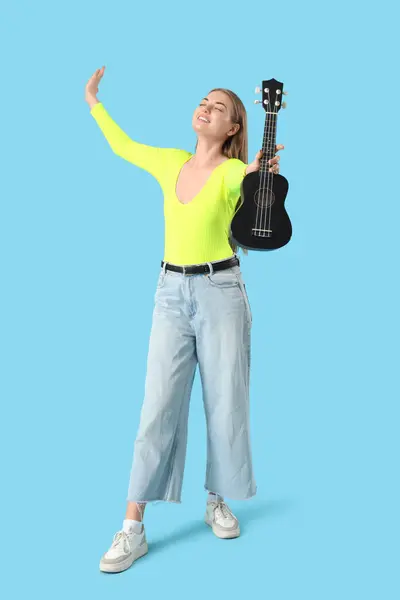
222	520
125	548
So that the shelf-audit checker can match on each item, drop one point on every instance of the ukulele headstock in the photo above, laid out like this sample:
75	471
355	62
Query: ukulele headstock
272	92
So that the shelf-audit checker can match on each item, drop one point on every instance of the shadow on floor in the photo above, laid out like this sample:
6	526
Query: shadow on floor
246	515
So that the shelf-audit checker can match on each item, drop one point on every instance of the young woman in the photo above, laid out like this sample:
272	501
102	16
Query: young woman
201	316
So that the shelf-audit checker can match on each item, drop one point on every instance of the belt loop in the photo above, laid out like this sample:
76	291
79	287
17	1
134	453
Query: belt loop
184	270
211	268
164	268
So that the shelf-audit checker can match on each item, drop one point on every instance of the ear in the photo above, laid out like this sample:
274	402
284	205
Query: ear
234	129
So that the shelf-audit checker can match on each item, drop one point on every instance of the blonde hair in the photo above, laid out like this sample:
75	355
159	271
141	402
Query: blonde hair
236	146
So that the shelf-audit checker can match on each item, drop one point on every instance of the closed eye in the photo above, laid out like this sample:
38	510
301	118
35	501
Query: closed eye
220	109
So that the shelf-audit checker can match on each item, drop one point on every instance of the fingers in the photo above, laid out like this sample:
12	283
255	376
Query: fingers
99	72
275	164
274	160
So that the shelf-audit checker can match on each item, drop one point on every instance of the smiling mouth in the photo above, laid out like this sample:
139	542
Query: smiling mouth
202	119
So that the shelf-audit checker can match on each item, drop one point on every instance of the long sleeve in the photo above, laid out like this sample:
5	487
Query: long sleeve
233	180
150	158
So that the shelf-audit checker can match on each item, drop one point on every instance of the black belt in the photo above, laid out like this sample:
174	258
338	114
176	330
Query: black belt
203	268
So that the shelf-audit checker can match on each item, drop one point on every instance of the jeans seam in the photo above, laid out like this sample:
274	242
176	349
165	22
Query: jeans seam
175	444
245	300
162	282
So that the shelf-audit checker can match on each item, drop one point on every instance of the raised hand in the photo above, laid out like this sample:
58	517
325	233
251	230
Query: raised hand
92	86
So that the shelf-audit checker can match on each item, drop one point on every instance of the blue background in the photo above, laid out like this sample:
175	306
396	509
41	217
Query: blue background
81	244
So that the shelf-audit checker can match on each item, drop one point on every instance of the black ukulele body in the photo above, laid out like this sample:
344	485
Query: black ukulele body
261	222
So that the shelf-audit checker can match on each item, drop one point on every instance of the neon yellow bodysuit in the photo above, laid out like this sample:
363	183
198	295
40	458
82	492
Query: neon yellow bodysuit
196	232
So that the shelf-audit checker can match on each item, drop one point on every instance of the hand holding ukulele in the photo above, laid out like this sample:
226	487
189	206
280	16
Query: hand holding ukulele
255	165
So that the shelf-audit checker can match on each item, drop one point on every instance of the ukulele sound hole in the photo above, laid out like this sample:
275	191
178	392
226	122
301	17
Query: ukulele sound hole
264	198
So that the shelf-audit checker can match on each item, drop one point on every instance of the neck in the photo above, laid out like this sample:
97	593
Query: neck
269	141
208	153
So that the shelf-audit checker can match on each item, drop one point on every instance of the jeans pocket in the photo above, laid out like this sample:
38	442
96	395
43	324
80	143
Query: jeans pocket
161	279
223	279
242	286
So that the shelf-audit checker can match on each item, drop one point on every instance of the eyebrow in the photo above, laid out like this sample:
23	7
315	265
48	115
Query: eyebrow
218	103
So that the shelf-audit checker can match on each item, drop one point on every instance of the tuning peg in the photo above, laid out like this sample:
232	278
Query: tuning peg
284	104
285	93
257	90
257	101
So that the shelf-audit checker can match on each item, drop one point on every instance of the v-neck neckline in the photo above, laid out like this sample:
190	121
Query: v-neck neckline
205	184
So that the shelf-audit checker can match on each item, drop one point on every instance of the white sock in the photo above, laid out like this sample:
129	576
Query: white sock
212	497
132	525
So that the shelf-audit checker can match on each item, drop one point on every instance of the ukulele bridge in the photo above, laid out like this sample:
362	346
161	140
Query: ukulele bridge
261	232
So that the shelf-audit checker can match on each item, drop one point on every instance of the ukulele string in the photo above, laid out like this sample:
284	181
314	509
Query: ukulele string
265	175
259	206
270	189
270	176
266	178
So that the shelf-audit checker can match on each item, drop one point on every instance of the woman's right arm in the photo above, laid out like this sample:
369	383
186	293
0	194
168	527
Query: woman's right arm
149	158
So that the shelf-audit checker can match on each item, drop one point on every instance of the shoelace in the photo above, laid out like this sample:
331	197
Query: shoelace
224	509
121	537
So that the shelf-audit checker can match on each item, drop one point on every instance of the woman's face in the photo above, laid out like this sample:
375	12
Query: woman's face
217	109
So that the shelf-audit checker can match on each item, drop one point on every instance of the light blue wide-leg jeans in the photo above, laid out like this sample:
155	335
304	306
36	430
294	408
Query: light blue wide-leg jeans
202	319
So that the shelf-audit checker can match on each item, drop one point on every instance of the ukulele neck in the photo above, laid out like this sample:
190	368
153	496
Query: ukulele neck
269	141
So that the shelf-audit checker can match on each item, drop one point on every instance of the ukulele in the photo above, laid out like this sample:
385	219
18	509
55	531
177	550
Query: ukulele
261	221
